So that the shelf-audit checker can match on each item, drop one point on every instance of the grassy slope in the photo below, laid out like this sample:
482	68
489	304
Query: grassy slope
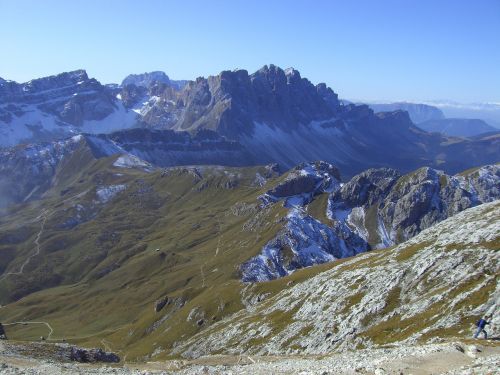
101	278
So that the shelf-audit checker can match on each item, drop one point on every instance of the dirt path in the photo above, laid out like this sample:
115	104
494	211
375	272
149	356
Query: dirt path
51	330
43	216
447	358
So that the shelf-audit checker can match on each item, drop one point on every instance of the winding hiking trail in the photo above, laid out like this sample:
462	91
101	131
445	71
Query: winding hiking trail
51	330
44	217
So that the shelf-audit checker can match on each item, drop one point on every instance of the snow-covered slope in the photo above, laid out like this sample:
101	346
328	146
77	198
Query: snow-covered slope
59	106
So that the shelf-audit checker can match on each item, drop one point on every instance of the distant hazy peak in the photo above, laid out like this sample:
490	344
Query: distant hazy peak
146	79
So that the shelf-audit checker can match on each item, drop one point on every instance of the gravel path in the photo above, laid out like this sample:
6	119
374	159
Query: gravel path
449	358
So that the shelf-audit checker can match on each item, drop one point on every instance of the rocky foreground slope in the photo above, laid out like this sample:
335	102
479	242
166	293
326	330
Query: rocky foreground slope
435	285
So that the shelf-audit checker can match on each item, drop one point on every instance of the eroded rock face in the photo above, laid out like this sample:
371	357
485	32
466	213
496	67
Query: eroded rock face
27	172
231	102
366	187
73	97
386	209
304	241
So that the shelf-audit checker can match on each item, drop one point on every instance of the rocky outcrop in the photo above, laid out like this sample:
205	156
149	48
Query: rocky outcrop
3	335
149	79
92	355
160	304
386	209
304	241
303	183
375	209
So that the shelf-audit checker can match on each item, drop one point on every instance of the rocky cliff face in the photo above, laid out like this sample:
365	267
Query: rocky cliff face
150	79
385	209
231	102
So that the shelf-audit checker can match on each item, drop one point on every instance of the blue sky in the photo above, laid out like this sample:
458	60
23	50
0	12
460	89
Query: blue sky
374	50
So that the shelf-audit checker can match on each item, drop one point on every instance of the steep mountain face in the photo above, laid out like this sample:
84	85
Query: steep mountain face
58	106
418	112
435	285
457	127
26	173
233	101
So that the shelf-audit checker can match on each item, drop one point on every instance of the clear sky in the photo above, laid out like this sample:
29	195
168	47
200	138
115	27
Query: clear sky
373	49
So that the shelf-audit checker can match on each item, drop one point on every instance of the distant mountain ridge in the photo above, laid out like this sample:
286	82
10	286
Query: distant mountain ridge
458	127
270	116
431	118
418	112
148	79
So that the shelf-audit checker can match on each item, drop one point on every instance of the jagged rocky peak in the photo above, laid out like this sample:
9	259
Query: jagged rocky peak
56	81
150	79
60	81
233	101
145	79
72	97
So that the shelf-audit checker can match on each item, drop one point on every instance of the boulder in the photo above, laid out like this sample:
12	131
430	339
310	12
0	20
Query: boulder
160	304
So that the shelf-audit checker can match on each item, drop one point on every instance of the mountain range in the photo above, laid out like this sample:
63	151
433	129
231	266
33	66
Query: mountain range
238	213
234	118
